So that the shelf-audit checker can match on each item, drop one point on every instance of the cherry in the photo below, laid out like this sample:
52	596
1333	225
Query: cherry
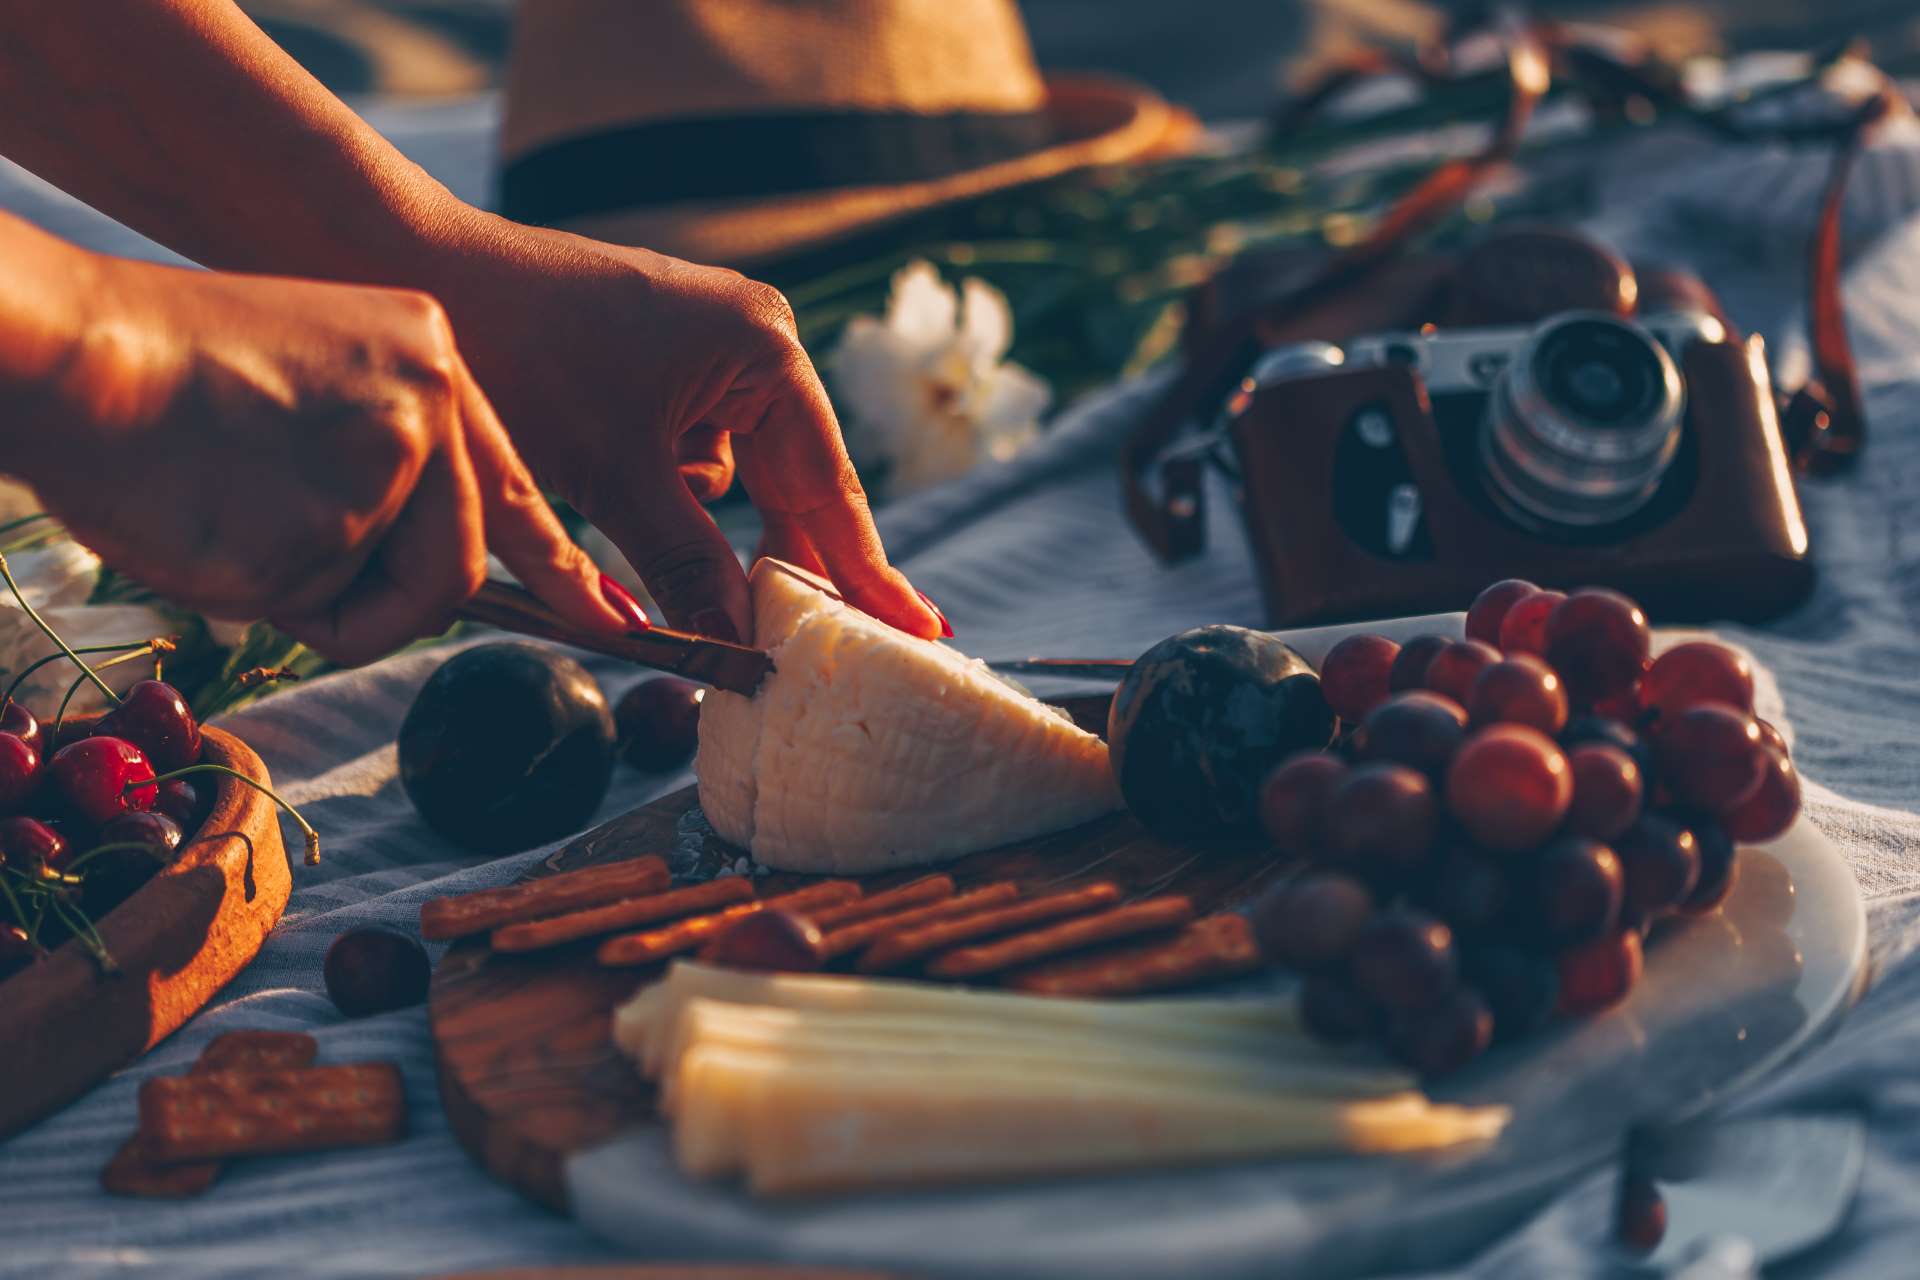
155	718
96	778
160	834
1524	629
658	723
124	856
28	844
1293	801
21	723
1410	664
1598	641
371	970
19	772
1518	690
1354	675
179	800
1491	606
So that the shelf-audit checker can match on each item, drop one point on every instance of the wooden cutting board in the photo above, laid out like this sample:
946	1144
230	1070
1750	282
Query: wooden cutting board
528	1070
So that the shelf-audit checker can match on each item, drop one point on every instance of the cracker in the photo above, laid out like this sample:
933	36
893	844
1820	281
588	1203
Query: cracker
250	1113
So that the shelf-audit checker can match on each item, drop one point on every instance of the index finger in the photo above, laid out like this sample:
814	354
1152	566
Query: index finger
795	467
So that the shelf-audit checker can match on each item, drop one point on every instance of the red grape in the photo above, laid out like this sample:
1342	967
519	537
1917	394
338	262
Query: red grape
1696	672
1598	641
1599	974
1712	757
1410	665
1640	1215
1717	866
1524	629
1521	988
1509	787
1615	733
1467	891
1312	922
1519	690
1489	608
1404	959
1381	819
1443	1036
1418	729
1578	888
1453	669
1353	676
1293	801
1606	791
1771	738
1772	807
1662	864
1334	1011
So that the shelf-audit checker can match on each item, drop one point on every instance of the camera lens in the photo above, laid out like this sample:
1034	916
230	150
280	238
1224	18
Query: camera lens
1583	422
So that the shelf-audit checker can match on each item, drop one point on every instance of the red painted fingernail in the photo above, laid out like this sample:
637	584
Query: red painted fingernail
716	623
624	603
946	628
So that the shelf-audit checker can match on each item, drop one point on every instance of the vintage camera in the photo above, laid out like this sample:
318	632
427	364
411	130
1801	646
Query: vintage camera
1399	471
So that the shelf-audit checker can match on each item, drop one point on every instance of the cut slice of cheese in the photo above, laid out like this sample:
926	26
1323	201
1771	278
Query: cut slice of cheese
643	1027
798	1125
868	749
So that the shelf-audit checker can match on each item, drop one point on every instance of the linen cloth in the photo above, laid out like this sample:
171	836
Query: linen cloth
1034	557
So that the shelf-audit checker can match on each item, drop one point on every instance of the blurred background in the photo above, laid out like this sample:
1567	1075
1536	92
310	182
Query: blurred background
1224	58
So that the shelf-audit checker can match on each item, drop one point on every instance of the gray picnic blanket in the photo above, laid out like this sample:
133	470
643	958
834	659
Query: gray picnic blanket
1034	557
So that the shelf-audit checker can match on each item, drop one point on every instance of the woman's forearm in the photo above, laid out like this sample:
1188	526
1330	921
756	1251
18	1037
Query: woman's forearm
45	285
186	122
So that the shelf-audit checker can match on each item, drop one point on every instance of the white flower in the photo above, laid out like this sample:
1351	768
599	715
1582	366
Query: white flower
926	391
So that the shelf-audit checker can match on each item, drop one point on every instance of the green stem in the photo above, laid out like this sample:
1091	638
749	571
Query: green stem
7	698
60	719
112	846
13	903
313	837
38	621
88	935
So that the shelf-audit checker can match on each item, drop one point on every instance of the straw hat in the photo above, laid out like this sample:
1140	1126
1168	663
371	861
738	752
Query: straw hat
738	130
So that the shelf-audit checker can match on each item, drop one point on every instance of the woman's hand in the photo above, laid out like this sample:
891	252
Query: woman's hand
638	386
317	454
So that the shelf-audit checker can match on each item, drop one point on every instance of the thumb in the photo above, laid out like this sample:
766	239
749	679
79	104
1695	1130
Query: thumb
686	562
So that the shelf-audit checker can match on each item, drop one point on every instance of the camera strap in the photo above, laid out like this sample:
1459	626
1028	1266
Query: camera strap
1823	423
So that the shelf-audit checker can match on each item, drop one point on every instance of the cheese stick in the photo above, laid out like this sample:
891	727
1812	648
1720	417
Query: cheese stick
800	1126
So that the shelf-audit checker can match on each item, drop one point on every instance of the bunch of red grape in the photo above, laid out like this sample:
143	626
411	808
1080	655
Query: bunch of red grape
1504	817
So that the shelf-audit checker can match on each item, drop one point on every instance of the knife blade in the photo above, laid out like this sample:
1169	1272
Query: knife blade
734	667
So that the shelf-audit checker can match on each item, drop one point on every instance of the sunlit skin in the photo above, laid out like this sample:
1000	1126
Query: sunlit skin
349	453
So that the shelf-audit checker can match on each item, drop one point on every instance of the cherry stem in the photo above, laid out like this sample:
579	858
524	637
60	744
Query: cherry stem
60	719
38	621
88	935
313	837
6	699
13	903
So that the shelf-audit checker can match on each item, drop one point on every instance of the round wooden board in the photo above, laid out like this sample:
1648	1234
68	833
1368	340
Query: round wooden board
180	938
528	1071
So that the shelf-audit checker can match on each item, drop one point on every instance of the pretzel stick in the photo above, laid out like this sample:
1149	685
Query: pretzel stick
654	945
462	914
919	893
1069	935
854	936
899	949
1208	950
552	931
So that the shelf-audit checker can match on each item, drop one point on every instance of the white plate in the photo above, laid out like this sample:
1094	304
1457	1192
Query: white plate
1725	1000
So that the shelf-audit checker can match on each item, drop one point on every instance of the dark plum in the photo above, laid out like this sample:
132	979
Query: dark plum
507	746
657	723
1200	721
370	970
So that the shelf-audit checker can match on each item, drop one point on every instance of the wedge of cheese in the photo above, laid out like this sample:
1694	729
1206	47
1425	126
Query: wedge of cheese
796	1124
644	1026
867	749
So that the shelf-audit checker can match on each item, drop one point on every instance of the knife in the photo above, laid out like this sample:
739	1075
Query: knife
733	667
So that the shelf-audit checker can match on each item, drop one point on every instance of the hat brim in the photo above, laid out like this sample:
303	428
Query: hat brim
1097	120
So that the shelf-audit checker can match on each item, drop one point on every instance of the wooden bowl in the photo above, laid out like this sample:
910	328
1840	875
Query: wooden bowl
178	939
